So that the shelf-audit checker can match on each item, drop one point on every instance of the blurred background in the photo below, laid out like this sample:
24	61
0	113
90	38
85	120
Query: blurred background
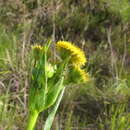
101	28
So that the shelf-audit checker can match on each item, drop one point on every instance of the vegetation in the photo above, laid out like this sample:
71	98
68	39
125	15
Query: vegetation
100	28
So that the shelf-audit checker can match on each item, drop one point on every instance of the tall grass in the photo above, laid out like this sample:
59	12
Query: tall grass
116	118
13	81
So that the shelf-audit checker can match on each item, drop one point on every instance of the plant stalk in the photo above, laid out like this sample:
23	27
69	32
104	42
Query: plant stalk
32	120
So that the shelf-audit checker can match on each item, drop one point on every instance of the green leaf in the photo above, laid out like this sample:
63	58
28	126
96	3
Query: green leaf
51	116
53	93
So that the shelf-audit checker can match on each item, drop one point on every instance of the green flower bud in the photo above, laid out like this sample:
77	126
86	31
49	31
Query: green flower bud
50	70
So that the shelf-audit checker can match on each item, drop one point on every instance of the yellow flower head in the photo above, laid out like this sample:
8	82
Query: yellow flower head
83	74
77	55
37	49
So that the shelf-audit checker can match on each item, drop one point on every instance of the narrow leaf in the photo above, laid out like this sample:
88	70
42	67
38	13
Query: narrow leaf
51	116
54	93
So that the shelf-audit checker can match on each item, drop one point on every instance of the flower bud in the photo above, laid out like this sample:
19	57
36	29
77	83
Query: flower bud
50	70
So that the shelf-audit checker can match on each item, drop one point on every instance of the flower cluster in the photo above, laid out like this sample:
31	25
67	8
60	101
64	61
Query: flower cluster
48	79
78	58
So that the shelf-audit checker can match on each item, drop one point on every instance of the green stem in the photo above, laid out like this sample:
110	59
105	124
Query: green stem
45	62
32	120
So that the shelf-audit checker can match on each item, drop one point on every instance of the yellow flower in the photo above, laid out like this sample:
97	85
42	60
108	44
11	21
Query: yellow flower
77	55
37	49
83	74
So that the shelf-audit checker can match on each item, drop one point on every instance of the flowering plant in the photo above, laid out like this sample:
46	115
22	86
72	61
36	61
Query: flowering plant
49	79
